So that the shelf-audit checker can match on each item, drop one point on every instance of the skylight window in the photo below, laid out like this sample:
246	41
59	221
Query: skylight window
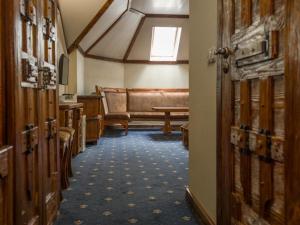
165	43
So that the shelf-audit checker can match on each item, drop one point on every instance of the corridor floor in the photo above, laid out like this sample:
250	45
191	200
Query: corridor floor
134	179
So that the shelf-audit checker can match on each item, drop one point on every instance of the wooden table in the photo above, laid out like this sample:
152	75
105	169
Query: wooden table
168	110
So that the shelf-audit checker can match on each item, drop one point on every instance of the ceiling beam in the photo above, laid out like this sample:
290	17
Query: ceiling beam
105	33
157	62
151	15
100	13
137	31
173	16
103	58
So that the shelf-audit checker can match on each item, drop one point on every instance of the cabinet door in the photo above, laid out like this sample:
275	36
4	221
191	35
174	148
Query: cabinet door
49	114
28	174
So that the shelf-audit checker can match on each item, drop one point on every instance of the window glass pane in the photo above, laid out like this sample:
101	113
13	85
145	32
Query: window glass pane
165	43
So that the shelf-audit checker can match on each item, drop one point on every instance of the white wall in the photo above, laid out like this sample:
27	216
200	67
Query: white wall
203	35
76	73
103	73
80	74
156	76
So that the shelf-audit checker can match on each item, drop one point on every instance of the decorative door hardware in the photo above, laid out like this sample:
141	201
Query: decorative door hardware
225	52
28	11
51	129
30	70
30	142
29	138
47	77
49	30
256	51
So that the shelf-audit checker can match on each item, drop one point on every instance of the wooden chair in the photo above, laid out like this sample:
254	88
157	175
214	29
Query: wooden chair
65	151
113	118
185	134
71	131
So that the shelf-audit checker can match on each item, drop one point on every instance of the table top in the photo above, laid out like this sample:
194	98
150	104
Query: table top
171	109
70	105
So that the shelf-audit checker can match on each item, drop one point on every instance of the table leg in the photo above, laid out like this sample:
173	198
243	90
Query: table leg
167	128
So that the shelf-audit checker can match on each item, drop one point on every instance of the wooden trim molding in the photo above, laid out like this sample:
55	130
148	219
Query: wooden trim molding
90	25
157	62
137	31
173	16
151	15
103	58
198	209
292	116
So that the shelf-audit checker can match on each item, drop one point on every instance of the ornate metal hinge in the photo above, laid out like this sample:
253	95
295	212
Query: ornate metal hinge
47	77
51	129
264	145
28	11
29	70
48	29
30	138
29	143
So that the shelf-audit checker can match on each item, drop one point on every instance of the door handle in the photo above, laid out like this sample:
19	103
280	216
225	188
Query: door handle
225	52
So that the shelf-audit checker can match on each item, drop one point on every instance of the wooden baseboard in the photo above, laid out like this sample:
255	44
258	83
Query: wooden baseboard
198	209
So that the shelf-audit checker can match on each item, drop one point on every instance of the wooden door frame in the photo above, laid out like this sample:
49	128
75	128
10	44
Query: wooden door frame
292	119
223	180
292	123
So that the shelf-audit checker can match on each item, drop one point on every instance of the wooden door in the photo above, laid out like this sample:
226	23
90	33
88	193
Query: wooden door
49	113
253	168
35	111
6	152
28	179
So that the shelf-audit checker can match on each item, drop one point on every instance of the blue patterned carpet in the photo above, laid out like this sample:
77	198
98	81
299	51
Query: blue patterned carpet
134	179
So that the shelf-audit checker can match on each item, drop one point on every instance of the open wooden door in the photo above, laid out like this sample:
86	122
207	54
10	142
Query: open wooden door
257	171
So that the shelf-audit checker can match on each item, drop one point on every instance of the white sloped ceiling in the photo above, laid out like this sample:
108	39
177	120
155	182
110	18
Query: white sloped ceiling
116	9
176	7
116	42
76	15
125	16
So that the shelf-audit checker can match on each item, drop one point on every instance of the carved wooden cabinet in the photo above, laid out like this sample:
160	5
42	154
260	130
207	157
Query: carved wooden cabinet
32	115
93	111
71	116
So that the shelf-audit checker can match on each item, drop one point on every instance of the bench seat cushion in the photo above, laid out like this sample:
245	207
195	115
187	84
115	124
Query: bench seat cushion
117	116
